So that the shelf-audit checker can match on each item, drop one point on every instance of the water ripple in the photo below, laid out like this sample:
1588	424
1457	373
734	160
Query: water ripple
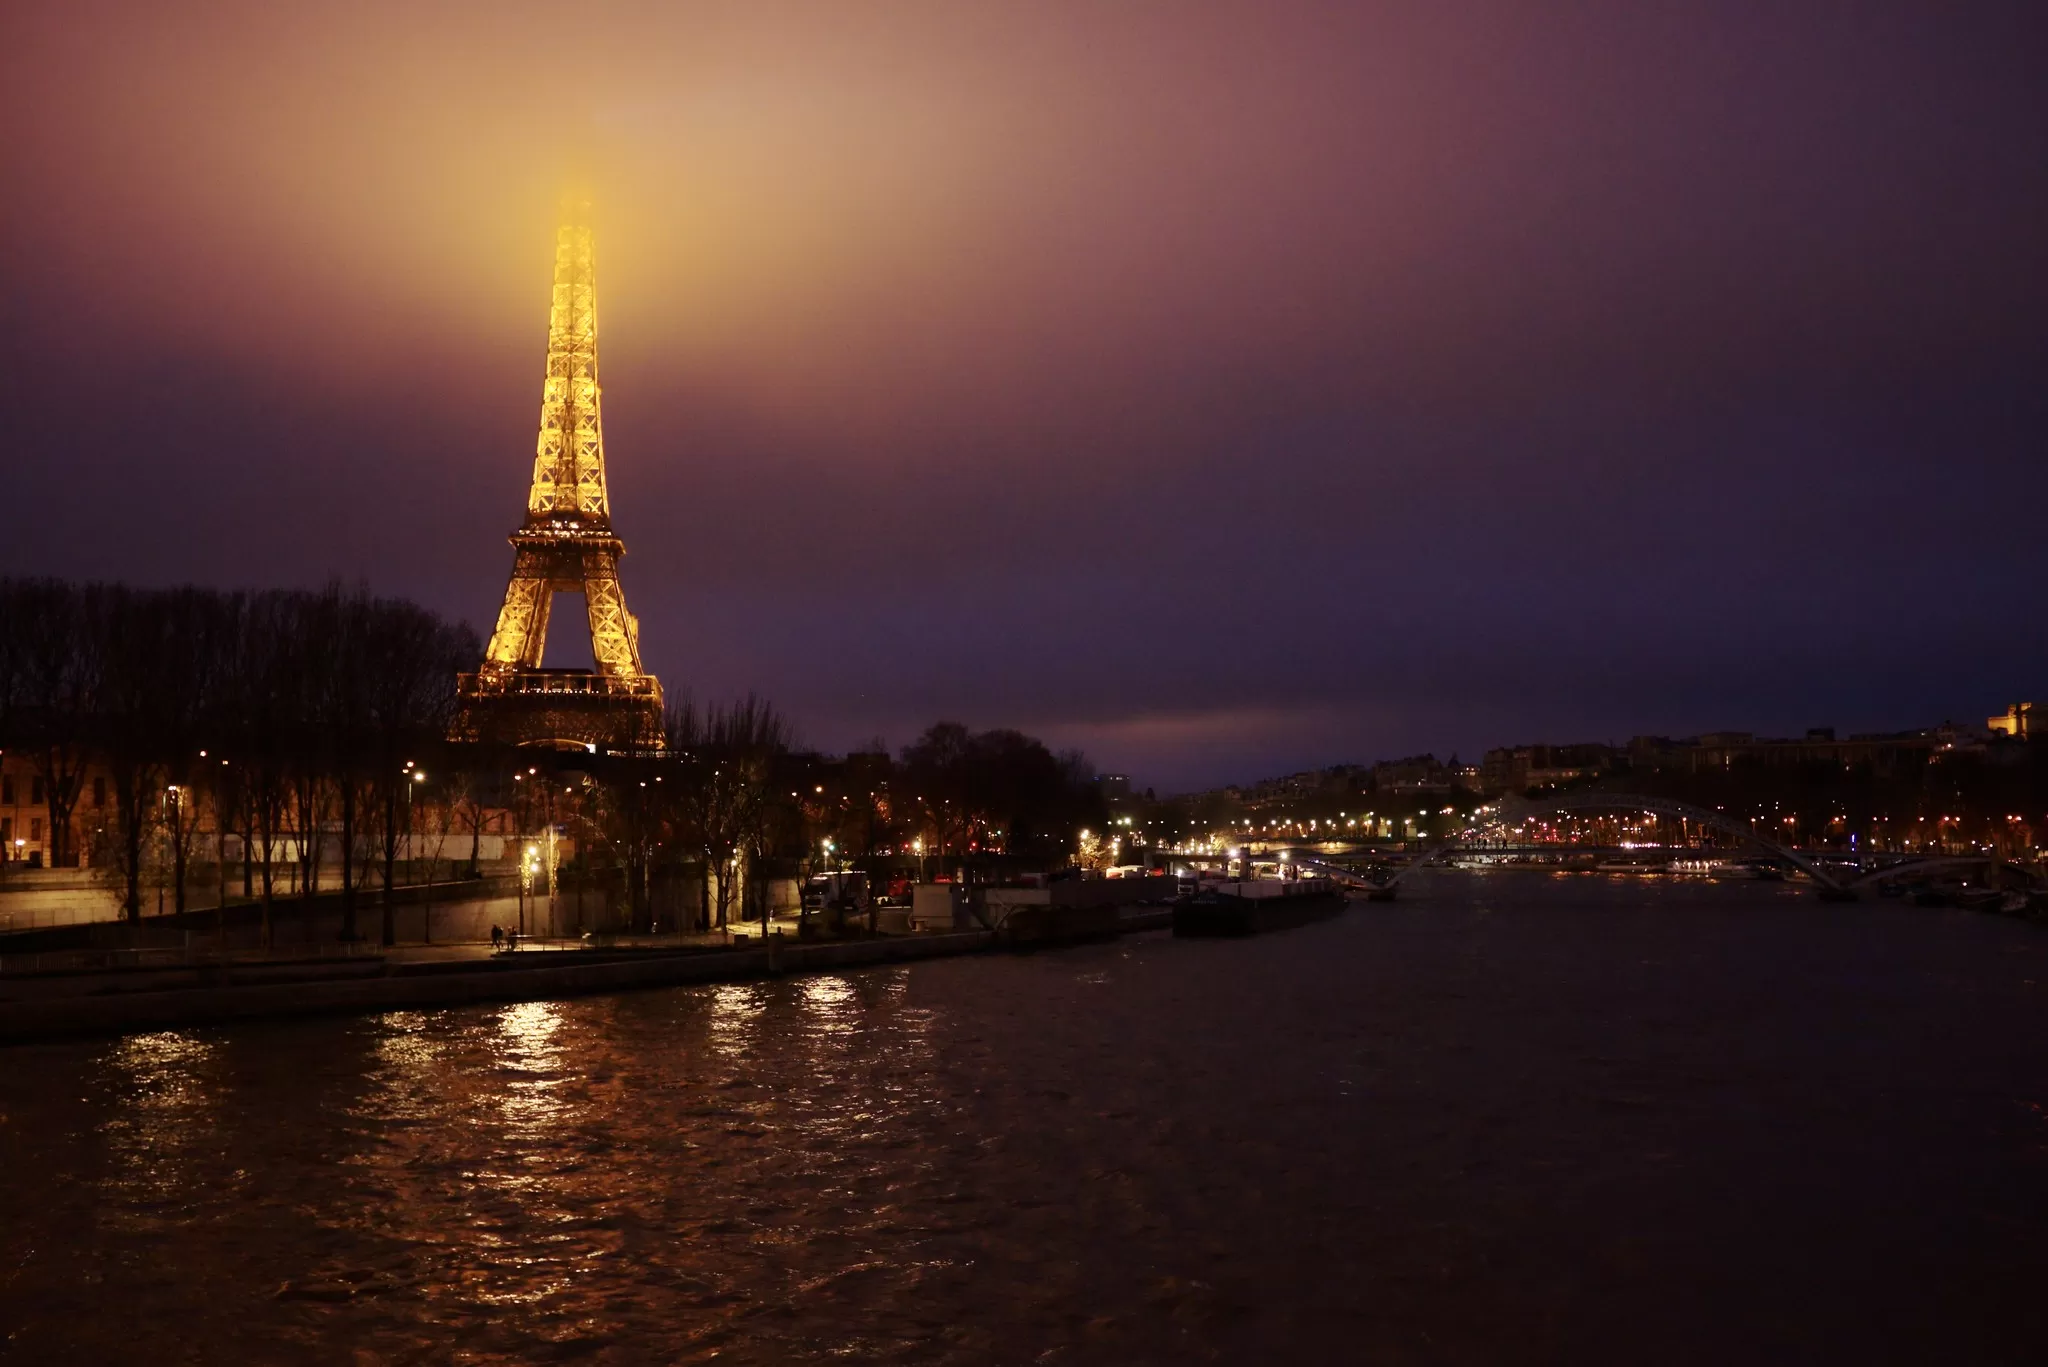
1490	1128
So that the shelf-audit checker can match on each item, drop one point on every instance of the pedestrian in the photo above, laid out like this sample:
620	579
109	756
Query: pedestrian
497	938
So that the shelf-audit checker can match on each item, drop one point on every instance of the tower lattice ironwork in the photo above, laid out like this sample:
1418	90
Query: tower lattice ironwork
566	543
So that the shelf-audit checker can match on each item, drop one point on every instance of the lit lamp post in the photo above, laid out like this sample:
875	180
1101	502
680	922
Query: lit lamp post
529	864
838	892
411	853
174	806
554	863
412	857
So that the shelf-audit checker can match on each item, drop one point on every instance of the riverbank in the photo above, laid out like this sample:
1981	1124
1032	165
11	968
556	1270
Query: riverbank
445	912
51	1003
43	1006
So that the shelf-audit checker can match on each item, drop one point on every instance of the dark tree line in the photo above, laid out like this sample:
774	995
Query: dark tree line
298	727
281	713
729	797
714	796
997	788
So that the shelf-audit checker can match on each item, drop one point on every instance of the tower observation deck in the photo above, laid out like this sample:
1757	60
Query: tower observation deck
565	544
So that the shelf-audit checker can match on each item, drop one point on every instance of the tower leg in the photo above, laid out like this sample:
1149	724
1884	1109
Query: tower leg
612	642
522	629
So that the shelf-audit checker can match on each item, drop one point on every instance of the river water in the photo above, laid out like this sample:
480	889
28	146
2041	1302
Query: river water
1512	1118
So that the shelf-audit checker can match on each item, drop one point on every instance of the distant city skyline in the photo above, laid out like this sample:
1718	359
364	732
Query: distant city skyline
1562	751
1223	392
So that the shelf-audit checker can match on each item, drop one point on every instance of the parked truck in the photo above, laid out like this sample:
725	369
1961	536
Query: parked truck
838	894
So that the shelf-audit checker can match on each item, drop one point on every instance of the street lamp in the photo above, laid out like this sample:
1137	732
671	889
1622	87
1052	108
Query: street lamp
529	864
411	853
418	776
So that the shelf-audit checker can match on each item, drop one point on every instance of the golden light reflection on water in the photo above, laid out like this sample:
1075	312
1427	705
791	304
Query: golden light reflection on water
509	1163
867	1054
408	1083
164	1098
529	1029
1002	1162
735	1019
529	1046
832	1004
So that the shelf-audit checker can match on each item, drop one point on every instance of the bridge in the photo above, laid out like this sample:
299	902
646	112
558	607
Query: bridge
1520	809
1832	882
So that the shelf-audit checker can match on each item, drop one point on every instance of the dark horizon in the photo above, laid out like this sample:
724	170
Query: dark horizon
1224	395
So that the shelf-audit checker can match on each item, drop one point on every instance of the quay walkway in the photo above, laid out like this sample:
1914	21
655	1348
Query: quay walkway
45	996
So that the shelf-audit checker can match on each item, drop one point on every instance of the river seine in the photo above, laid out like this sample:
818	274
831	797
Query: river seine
1513	1118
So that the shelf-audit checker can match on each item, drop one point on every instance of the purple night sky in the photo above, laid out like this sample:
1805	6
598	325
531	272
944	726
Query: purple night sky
1224	389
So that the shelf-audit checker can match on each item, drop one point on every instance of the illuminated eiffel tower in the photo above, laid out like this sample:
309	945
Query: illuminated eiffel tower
565	544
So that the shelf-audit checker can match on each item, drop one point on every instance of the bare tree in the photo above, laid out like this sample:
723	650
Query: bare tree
410	660
126	634
472	796
434	820
13	593
274	714
195	633
306	664
347	729
1000	787
266	659
725	766
55	691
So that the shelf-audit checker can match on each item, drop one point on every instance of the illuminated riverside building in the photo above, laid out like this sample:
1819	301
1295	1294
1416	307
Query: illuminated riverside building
24	833
26	825
565	544
2017	720
1512	769
1880	754
1518	768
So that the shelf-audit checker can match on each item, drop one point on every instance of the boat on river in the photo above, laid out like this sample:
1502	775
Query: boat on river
1255	905
1056	924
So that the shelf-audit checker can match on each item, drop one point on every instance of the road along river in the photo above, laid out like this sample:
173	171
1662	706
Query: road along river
1511	1118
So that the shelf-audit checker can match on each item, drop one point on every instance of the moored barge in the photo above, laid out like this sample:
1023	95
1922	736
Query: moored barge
1257	905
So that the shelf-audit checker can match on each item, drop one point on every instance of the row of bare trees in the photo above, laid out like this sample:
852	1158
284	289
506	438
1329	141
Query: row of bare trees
293	726
719	794
997	789
284	715
729	795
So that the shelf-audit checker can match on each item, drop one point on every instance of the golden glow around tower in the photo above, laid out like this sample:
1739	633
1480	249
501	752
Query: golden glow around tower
568	462
566	543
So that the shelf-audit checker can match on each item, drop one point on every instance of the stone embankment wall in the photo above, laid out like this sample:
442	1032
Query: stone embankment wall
66	900
373	985
445	913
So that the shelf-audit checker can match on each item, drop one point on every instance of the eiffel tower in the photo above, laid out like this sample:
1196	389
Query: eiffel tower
565	544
